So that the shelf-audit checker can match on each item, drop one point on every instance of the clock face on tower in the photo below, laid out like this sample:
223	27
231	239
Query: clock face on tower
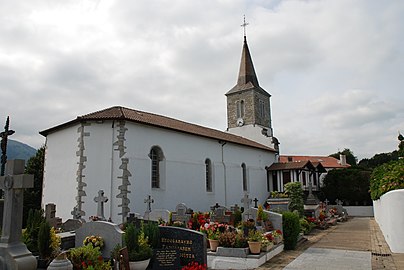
240	122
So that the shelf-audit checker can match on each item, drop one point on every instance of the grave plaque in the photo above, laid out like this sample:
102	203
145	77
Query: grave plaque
166	259
191	245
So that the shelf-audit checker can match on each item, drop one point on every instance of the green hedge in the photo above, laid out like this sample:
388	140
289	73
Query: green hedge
291	229
387	177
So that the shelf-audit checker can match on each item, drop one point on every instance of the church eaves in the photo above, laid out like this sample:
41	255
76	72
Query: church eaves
122	113
247	78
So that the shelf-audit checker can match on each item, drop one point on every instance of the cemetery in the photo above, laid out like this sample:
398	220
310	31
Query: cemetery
242	237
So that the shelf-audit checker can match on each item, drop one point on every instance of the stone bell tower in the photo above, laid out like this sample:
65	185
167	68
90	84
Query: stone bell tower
249	106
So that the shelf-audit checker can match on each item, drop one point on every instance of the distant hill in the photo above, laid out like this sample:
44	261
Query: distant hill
19	150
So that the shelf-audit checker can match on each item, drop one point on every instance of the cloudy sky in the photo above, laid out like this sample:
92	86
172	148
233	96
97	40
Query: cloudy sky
334	69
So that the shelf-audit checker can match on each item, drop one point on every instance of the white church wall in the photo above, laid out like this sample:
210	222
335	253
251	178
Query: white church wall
60	183
184	172
98	148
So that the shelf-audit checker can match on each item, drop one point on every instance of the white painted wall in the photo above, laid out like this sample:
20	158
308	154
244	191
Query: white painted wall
184	169
59	184
389	215
359	211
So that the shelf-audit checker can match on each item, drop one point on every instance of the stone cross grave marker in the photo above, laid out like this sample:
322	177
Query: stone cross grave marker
255	203
50	215
214	207
180	213
326	202
149	200
13	253
246	201
220	215
235	208
100	200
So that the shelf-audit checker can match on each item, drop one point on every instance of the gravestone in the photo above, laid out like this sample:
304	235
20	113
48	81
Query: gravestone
110	232
50	215
13	253
221	215
191	245
149	200
100	200
181	213
72	225
158	214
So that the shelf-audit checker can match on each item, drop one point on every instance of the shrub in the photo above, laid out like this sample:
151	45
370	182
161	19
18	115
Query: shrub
295	193
291	229
137	244
87	257
387	177
30	235
152	233
44	240
227	239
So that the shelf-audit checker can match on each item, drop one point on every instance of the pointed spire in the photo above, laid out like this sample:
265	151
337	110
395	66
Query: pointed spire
247	72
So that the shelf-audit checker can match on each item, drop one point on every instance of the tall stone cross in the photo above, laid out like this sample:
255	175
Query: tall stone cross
149	200
246	201
13	253
100	200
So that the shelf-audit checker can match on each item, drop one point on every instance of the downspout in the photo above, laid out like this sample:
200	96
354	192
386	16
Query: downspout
224	173
112	170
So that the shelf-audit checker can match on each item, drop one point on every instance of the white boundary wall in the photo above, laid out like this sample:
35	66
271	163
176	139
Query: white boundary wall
359	211
389	214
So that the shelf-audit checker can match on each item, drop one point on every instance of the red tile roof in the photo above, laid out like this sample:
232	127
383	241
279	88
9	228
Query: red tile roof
122	113
291	166
327	162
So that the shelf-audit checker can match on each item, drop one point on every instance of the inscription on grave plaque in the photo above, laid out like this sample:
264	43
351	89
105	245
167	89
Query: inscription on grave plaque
191	245
166	259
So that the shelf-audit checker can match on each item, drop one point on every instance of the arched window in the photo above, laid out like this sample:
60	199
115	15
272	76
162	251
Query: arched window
244	174
240	109
156	156
208	175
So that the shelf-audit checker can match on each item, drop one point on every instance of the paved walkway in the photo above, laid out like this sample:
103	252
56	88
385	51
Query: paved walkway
355	244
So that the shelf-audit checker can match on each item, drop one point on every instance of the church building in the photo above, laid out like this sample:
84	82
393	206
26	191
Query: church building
131	154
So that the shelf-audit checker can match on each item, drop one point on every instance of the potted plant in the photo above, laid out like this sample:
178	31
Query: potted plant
212	231
254	241
139	250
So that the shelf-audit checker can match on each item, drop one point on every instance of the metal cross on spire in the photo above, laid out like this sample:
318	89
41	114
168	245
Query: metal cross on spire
244	25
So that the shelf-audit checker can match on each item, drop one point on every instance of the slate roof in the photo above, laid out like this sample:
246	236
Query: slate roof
247	78
126	114
327	162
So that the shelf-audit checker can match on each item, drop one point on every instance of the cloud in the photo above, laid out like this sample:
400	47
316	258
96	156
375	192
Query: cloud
334	68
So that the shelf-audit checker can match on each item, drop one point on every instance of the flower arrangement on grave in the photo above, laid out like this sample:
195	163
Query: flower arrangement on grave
94	218
178	223
198	220
332	212
194	266
247	226
227	239
213	230
266	245
254	241
240	240
87	257
94	240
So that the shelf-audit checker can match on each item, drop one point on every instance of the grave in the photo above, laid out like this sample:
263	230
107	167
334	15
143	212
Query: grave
50	215
110	232
221	215
71	225
100	200
13	253
191	245
181	213
159	214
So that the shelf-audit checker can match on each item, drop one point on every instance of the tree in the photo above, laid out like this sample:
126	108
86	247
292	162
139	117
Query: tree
33	196
350	158
378	159
350	185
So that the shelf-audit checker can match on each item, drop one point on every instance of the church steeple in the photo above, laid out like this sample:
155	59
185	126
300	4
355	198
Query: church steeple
248	105
246	73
